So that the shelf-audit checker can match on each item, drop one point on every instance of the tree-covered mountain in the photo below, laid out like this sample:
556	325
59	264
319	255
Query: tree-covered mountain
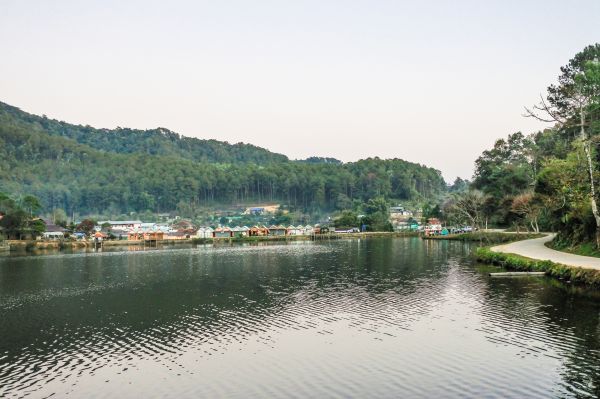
86	170
159	141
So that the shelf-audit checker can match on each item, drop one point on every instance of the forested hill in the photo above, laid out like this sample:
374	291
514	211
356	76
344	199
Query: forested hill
159	141
86	178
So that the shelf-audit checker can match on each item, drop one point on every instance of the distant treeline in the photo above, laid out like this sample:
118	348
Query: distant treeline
86	170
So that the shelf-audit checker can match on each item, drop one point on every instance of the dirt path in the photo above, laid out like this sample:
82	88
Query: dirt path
535	249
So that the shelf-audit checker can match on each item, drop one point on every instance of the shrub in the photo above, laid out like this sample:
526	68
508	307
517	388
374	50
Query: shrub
576	275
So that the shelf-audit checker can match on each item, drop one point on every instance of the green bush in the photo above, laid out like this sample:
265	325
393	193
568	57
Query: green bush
576	275
488	238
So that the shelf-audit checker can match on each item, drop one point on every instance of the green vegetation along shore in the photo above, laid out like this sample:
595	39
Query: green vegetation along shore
485	237
577	275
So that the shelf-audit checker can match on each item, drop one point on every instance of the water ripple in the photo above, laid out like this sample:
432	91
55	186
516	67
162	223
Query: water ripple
351	318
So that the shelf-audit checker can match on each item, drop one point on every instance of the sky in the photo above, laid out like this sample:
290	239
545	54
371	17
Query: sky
432	82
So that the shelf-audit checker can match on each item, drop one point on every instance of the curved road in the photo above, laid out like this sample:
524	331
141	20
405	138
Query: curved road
535	249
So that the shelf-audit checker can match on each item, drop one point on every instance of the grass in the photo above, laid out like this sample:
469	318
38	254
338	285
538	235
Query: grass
585	249
488	238
577	275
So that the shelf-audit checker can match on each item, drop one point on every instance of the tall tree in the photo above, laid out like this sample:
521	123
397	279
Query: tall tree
575	102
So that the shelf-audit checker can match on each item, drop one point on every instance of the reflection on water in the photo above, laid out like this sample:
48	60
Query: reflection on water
350	318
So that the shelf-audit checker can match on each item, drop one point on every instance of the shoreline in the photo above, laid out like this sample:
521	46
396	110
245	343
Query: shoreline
526	256
61	245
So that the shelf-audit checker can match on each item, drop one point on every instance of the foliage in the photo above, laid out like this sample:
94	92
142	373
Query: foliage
86	226
377	215
459	185
549	179
466	208
346	219
529	207
576	275
584	249
504	172
281	218
431	211
18	216
488	238
90	171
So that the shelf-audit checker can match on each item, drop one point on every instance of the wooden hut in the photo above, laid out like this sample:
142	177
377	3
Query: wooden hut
222	232
258	231
146	236
278	230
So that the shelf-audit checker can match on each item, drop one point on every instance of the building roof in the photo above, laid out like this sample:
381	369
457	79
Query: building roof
113	222
52	228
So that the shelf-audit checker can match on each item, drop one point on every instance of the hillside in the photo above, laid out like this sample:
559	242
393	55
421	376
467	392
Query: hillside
106	172
159	141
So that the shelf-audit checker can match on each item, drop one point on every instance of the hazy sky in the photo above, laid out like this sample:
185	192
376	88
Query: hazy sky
433	82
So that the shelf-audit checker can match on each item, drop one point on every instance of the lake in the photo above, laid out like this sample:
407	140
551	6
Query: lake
382	318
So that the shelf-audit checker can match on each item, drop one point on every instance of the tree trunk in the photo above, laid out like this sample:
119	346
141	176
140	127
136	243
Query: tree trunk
588	155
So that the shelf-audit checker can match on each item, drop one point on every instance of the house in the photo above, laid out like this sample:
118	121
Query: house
180	235
294	231
240	231
434	227
254	211
99	236
122	224
400	211
53	235
53	232
79	235
164	227
146	236
318	229
278	230
222	232
258	231
204	232
119	234
148	226
236	231
307	230
183	225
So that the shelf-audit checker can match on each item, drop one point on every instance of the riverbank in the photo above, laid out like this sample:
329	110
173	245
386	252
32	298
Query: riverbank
533	255
58	245
488	238
583	249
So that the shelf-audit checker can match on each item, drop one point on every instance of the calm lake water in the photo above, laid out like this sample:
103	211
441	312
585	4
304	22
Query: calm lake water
382	318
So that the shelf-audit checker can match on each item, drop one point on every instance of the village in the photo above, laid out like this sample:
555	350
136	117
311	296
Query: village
225	224
402	220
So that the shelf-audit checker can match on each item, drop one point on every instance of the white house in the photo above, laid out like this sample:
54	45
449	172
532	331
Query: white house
122	224
53	232
294	231
53	235
307	230
204	232
148	227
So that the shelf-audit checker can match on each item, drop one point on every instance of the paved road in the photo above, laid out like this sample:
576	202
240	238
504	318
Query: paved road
536	249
